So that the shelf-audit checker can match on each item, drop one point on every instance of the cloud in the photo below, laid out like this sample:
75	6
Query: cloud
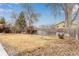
5	10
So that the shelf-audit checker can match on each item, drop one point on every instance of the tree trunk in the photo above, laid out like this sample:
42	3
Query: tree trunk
68	19
77	33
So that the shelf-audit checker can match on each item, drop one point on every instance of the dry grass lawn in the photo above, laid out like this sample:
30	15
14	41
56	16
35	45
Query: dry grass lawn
25	44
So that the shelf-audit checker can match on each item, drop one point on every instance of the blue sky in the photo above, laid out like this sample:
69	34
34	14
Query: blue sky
46	17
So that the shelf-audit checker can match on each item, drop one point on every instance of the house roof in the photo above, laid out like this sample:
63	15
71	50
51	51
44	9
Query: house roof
63	22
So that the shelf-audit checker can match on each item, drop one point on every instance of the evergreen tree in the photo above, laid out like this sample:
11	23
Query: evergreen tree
2	20
20	22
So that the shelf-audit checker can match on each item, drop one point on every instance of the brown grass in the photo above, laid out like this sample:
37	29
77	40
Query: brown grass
24	44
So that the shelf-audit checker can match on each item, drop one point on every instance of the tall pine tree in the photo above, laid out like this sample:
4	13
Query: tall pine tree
21	23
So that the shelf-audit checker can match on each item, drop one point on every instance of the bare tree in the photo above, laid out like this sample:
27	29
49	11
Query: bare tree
67	8
31	16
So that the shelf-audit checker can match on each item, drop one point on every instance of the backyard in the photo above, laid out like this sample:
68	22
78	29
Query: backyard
39	29
26	44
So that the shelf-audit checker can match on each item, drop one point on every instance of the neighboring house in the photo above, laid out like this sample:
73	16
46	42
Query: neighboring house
61	25
75	22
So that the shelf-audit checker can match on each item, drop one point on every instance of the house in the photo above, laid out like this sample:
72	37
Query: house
61	25
75	22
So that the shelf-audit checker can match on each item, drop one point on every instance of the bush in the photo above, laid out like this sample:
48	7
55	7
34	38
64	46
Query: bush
61	35
31	30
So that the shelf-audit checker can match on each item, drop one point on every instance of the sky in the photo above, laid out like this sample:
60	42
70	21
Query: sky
46	17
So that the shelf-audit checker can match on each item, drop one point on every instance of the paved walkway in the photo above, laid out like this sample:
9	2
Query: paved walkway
2	51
